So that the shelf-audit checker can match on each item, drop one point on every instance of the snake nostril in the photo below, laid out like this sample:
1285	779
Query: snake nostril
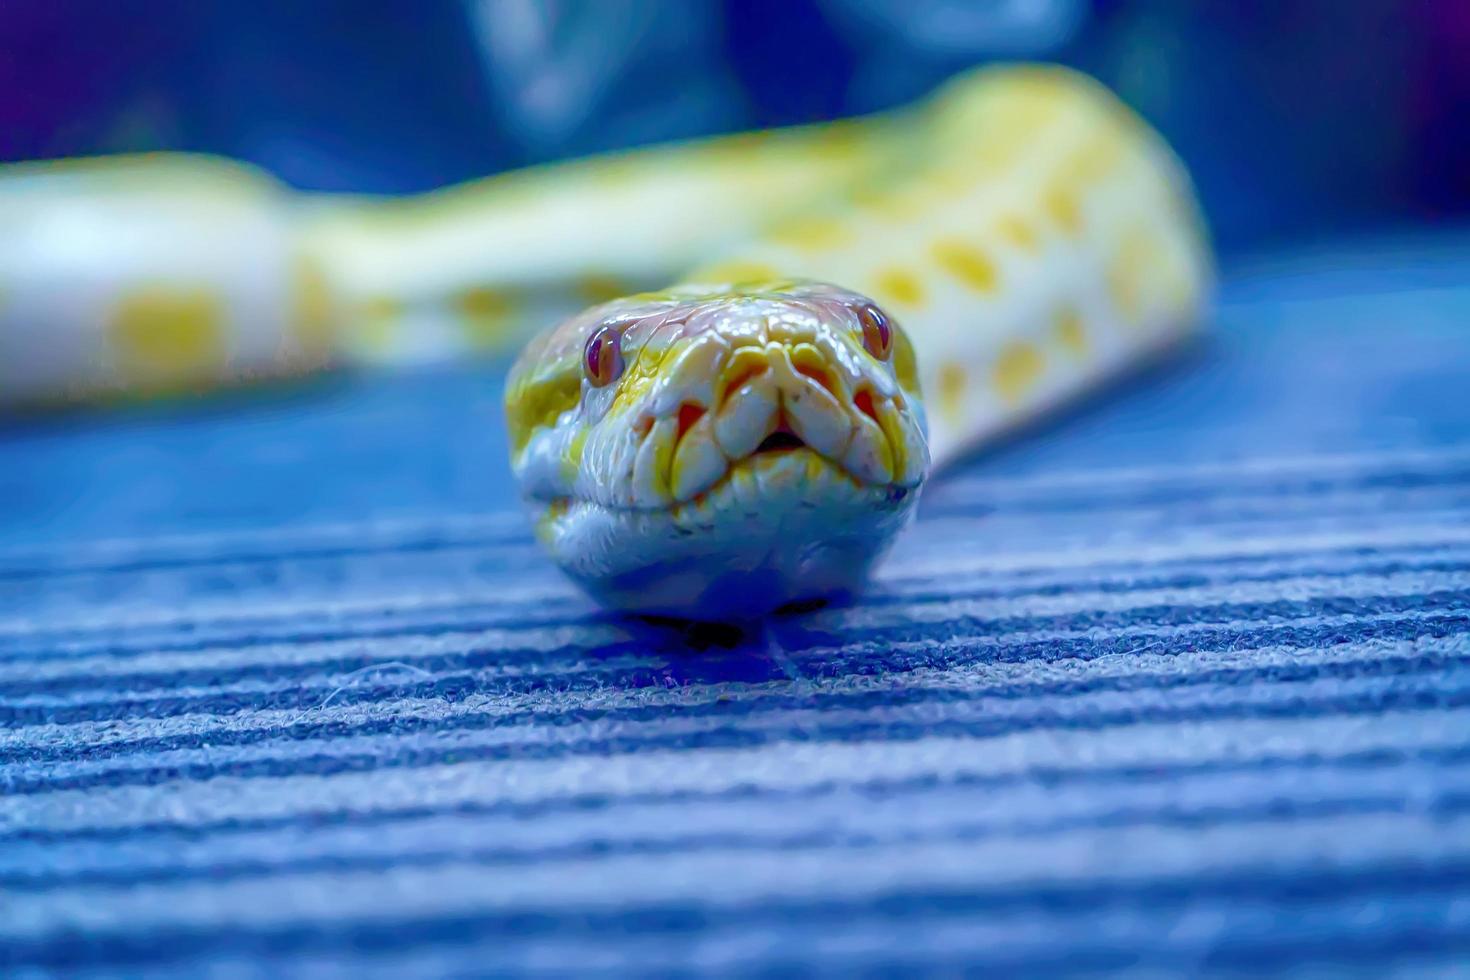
689	413
818	374
864	402
737	381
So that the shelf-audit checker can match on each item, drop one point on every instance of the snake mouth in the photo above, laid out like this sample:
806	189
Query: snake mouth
778	420
783	440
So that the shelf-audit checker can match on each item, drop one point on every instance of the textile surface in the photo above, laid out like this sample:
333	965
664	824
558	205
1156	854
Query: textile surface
1177	681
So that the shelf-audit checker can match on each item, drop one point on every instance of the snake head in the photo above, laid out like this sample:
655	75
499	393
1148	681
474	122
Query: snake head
718	452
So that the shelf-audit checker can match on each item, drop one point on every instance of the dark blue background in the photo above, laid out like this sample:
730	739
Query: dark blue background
1297	117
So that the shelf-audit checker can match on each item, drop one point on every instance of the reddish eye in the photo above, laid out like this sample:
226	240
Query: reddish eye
603	359
877	332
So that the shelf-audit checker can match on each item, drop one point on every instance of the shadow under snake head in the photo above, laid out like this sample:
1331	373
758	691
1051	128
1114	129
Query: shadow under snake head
718	452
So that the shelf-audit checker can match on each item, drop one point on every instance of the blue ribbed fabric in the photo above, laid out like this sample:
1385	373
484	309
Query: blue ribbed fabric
1178	682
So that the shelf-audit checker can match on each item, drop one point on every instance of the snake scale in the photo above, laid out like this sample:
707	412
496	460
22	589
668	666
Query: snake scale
855	304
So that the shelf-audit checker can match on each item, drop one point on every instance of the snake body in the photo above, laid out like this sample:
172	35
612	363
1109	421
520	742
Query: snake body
854	304
170	273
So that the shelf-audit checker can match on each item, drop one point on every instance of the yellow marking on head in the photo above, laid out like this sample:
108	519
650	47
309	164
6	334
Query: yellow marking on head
571	460
893	433
169	333
536	403
631	389
905	364
812	234
595	288
1014	229
311	308
734	271
487	314
1016	369
966	263
899	286
1061	205
640	374
1067	326
547	522
953	387
663	466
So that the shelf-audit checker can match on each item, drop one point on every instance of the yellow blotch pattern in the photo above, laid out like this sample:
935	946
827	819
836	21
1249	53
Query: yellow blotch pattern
889	204
899	286
311	308
375	322
1095	160
735	271
841	138
966	263
599	288
169	334
1015	229
1128	273
905	363
486	313
1016	370
1068	329
950	180
992	158
812	234
952	387
1062	207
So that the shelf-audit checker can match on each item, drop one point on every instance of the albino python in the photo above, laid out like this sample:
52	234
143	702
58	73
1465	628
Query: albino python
856	302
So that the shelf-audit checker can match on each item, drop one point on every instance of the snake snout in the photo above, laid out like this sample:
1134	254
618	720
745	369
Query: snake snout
723	407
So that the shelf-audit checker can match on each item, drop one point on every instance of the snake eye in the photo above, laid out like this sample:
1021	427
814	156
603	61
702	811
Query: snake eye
877	332
602	361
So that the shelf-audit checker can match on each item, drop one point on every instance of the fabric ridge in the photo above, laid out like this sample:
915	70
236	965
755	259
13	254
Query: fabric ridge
1178	681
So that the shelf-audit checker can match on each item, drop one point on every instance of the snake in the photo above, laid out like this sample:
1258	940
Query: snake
854	307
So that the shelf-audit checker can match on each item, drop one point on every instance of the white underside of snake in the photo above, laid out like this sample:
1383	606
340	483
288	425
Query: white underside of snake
856	304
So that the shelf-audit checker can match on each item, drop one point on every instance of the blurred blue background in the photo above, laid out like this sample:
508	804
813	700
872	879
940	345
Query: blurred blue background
1297	117
1178	681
